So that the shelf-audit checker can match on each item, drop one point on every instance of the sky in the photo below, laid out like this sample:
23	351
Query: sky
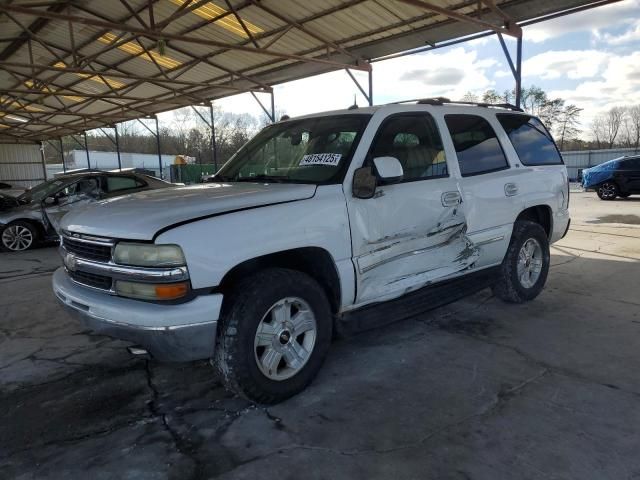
590	59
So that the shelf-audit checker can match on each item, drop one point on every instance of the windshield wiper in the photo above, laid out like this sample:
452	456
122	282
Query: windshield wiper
263	178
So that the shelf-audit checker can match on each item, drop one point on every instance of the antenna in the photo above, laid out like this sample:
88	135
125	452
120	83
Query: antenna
355	104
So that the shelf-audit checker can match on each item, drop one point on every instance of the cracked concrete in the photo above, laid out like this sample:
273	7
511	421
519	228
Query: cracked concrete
477	389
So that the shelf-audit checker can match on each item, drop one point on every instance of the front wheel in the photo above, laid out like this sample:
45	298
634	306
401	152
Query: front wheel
18	236
526	264
274	335
608	191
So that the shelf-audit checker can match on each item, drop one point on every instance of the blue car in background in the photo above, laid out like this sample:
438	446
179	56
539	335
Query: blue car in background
619	177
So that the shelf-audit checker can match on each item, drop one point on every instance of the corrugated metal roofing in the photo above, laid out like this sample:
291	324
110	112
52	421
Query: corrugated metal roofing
154	55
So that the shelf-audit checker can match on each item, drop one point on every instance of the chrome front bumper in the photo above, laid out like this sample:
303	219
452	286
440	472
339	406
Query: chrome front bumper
172	333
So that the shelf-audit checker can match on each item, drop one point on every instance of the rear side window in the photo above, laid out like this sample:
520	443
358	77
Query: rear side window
630	164
415	141
115	184
477	147
530	139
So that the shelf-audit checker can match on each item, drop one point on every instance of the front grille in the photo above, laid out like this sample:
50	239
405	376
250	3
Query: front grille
91	280
90	251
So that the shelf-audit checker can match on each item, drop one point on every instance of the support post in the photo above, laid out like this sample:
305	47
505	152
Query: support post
273	107
115	129
44	163
370	73
158	145
213	139
516	69
86	149
519	71
64	166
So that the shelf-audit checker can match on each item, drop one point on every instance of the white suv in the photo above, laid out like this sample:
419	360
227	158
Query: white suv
311	226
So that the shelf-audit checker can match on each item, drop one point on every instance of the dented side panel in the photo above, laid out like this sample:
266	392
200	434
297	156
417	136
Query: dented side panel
405	238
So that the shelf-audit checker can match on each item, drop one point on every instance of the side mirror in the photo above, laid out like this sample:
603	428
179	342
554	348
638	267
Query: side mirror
50	201
389	169
364	183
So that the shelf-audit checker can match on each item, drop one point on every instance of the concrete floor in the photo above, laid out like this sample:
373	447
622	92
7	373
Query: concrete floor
477	389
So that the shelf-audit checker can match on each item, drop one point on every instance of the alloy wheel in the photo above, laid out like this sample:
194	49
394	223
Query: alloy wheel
17	238
285	338
529	263
607	191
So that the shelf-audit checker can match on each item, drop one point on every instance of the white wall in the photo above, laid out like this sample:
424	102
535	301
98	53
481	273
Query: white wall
109	160
21	164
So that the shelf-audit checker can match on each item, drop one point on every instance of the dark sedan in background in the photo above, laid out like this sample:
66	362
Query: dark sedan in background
619	177
35	215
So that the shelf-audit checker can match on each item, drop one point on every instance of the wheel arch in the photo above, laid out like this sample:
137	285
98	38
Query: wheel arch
540	214
313	261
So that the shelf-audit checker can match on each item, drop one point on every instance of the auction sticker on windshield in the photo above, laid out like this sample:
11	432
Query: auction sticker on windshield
331	159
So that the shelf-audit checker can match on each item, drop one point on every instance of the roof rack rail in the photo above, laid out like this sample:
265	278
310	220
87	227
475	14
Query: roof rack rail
446	101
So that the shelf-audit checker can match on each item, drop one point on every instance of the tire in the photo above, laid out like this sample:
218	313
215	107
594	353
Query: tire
258	367
514	285
18	236
608	191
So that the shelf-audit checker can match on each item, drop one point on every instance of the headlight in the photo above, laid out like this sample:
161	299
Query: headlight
151	291
148	255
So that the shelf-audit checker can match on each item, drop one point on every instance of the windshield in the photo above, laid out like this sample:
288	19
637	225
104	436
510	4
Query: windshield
42	191
313	150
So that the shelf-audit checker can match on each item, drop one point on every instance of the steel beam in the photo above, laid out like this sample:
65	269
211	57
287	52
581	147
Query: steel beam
367	94
213	139
158	145
86	149
115	129
158	35
64	166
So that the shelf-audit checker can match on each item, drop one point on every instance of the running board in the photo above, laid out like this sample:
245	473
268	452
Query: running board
415	303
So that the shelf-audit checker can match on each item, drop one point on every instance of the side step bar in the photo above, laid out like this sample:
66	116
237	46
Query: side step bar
415	303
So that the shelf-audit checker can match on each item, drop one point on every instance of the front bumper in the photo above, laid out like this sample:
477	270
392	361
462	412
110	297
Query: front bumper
171	333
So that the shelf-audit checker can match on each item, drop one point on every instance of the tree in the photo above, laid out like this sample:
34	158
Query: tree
568	123
491	96
632	121
613	121
599	130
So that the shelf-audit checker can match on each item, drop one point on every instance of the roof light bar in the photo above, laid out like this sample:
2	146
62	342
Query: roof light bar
136	50
109	82
45	89
210	11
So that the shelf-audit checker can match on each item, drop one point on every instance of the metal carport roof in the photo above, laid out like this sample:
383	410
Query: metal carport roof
69	66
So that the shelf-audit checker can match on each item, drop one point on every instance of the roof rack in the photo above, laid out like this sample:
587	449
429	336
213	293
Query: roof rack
445	101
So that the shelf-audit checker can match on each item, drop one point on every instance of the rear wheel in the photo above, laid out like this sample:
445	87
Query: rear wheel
18	236
274	335
608	191
526	265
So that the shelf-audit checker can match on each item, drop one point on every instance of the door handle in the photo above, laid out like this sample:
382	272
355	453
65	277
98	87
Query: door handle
510	189
451	199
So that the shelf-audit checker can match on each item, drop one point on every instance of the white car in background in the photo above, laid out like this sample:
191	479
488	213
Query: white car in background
330	221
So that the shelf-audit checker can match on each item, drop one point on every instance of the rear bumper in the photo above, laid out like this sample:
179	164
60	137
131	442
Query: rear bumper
171	333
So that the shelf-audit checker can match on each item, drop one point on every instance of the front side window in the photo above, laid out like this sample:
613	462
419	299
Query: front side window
477	146
313	150
415	141
530	139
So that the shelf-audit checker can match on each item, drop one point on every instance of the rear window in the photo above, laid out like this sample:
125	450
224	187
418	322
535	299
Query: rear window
477	147
115	184
530	139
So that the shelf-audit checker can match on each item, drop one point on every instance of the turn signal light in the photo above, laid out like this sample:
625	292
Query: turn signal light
152	291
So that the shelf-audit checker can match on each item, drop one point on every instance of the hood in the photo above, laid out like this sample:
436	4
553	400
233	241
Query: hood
141	215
